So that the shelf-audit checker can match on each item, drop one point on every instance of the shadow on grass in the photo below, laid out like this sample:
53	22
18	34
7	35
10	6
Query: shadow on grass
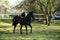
48	34
35	32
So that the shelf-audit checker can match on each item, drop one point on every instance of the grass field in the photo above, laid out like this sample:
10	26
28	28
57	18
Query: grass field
40	31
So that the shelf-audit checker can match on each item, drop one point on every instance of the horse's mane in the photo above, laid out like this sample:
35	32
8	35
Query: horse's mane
30	13
23	14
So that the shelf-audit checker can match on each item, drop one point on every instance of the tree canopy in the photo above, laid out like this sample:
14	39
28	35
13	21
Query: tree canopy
40	5
47	7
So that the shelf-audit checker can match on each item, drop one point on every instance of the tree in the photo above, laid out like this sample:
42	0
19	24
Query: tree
27	5
48	7
4	6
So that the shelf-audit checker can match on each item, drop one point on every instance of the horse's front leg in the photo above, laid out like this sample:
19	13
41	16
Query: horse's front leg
14	28
26	30
21	29
31	28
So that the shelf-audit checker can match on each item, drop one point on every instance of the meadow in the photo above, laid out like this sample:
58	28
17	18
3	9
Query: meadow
40	31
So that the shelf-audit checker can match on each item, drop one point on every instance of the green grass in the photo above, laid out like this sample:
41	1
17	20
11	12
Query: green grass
40	32
6	20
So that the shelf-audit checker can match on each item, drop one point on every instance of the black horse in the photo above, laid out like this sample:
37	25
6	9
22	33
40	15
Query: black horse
22	20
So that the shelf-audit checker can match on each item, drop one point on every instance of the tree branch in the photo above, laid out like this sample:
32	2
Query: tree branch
56	10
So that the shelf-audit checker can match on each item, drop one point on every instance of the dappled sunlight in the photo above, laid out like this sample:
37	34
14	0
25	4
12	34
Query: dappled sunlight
54	27
37	26
14	2
39	32
8	24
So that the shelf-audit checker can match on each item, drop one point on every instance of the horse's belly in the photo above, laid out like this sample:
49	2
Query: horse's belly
25	23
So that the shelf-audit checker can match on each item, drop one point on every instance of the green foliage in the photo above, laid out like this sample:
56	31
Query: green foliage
41	6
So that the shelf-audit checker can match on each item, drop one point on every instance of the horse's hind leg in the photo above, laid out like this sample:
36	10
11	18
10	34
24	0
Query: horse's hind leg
31	28
26	30
14	28
21	29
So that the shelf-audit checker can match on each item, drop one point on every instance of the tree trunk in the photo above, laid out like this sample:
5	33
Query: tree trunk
48	20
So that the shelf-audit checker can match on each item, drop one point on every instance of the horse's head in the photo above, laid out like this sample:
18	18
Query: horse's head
30	15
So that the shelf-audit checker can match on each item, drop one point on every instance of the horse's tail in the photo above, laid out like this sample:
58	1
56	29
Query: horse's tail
13	21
